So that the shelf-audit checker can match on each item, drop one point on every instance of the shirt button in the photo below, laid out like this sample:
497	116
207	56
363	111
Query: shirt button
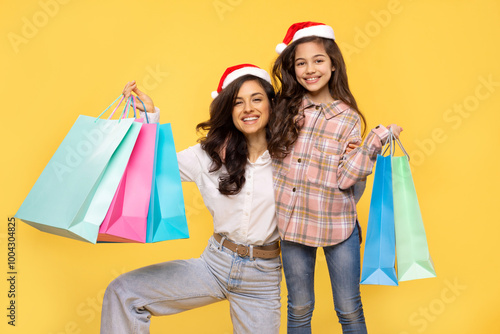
248	193
294	189
318	107
299	160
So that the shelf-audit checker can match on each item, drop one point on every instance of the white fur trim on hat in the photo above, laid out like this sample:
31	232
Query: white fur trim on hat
258	72
320	31
214	94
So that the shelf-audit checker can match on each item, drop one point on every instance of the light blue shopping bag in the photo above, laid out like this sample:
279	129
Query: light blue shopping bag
167	215
74	191
380	245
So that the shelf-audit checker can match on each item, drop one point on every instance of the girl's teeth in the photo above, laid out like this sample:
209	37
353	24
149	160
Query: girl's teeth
250	119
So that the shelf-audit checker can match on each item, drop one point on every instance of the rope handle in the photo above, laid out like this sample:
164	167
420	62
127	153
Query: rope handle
391	144
129	105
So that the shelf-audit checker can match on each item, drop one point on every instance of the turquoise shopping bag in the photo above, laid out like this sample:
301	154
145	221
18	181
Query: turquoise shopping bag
380	245
413	258
167	215
74	191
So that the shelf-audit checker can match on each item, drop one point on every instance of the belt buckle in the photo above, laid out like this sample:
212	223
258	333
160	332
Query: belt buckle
243	248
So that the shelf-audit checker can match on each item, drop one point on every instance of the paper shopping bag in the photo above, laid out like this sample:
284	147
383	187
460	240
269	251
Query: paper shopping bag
167	215
380	253
126	220
74	191
413	258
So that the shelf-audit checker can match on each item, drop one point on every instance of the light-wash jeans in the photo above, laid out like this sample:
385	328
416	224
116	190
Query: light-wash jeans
252	287
343	262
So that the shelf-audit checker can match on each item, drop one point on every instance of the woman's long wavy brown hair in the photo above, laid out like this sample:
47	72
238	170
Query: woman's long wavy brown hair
224	143
285	120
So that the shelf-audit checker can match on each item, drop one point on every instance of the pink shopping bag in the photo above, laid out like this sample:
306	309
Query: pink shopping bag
126	220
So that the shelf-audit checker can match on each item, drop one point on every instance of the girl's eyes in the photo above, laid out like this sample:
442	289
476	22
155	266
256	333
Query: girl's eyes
237	103
302	63
257	100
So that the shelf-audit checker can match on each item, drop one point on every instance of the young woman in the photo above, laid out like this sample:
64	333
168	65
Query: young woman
316	139
232	168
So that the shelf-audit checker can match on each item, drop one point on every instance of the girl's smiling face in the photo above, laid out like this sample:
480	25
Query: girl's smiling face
313	70
251	109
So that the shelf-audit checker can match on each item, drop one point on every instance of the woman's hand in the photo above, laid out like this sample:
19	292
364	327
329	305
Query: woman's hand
148	102
396	129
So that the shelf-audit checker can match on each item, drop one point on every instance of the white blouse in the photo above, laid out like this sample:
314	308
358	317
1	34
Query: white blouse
247	217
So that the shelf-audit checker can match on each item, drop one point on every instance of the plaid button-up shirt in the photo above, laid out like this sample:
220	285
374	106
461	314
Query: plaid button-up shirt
314	184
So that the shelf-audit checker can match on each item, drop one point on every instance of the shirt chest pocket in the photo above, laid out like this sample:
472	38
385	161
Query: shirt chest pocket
324	161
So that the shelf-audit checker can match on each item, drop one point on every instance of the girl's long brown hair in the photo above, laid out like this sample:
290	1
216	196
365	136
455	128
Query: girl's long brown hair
224	143
284	121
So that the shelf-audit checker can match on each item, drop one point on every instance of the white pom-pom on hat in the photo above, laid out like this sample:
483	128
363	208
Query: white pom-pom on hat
280	48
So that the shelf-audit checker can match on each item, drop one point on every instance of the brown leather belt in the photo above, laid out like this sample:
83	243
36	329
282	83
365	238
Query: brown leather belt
264	252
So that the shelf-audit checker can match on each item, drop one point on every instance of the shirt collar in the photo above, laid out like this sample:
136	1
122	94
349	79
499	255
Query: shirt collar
262	160
330	110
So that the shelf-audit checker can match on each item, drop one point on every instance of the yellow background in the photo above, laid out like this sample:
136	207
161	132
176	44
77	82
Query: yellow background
431	66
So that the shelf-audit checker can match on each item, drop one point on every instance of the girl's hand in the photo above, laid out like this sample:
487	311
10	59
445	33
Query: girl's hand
148	102
396	129
350	147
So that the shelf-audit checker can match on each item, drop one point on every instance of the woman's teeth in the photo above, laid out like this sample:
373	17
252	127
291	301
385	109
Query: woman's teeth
249	119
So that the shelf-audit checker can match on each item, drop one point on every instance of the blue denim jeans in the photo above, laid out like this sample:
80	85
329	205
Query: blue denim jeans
252	287
343	262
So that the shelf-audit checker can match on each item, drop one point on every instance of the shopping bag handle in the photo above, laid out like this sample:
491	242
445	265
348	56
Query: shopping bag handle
130	104
390	144
144	106
133	106
113	112
122	97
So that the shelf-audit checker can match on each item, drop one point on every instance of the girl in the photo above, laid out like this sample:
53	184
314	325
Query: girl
232	169
317	159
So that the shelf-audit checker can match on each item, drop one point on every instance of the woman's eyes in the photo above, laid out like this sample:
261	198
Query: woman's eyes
256	100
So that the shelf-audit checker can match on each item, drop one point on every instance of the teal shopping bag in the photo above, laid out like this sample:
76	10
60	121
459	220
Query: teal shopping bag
380	253
74	191
167	215
413	258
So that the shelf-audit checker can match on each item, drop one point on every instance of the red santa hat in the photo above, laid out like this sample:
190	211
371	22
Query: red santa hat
234	72
305	29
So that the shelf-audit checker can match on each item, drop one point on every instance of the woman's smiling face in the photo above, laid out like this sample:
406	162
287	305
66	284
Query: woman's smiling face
251	109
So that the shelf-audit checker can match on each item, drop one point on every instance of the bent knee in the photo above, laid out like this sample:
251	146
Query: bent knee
356	316
119	288
300	311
